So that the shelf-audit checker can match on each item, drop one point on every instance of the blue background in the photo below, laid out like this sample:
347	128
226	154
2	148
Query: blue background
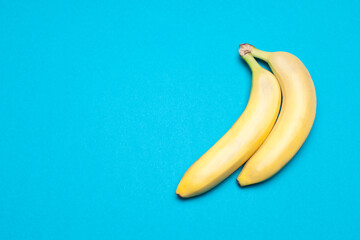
105	104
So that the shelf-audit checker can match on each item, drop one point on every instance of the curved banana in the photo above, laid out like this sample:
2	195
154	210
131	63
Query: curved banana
295	120
243	138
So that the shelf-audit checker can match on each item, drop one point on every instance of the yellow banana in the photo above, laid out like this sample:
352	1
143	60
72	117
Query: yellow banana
295	120
243	138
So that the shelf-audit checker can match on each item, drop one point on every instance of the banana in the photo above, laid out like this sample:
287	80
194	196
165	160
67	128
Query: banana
295	120
243	138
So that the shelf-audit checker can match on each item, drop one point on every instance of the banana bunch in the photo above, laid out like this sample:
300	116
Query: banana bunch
262	138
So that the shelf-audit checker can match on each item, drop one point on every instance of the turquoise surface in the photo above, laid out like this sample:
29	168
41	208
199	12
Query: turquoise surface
105	104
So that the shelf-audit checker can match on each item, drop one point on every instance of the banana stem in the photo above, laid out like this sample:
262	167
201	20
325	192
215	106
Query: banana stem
260	54
250	60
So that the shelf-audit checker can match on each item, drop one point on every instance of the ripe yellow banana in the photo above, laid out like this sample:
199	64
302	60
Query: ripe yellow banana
243	138
295	120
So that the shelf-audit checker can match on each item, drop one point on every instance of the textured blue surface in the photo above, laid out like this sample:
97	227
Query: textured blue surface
104	105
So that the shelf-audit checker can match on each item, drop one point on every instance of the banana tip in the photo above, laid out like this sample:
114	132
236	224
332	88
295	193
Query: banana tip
179	195
243	182
238	181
